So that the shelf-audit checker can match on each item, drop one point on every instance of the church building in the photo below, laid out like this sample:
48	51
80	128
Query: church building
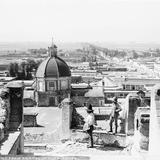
53	80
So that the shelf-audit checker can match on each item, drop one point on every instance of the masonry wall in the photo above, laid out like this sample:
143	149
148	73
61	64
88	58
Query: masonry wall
144	133
4	116
80	100
131	115
95	101
133	105
46	99
30	121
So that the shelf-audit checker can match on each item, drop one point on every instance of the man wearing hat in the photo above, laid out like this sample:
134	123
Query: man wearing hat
116	108
141	97
89	124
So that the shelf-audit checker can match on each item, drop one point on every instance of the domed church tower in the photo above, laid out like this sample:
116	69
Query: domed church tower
53	79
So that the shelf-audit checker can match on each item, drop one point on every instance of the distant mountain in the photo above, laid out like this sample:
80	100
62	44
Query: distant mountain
75	45
129	45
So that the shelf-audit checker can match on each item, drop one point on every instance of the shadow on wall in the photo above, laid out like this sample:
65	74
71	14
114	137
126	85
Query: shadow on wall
77	119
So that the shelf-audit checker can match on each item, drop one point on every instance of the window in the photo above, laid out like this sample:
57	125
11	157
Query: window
127	87
133	87
51	86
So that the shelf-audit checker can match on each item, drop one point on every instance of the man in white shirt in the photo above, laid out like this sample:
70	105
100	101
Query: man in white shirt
89	125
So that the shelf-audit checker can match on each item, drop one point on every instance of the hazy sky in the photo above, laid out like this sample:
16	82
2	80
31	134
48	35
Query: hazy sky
80	20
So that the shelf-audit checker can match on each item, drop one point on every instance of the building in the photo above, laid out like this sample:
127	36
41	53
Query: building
53	80
87	75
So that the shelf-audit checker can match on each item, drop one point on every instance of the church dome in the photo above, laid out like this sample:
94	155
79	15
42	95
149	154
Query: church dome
53	66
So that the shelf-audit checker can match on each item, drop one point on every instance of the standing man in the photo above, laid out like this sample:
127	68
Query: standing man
116	108
89	125
141	98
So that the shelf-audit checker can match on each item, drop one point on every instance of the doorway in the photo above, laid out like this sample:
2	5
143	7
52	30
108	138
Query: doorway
51	101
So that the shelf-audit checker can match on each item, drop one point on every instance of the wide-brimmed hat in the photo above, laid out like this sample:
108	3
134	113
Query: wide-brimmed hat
115	99
89	108
141	92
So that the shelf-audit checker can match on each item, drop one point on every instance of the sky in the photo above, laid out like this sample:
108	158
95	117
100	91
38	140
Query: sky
80	20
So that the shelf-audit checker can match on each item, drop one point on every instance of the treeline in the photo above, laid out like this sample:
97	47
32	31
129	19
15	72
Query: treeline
24	70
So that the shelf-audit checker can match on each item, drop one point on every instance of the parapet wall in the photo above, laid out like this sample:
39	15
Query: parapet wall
11	118
4	112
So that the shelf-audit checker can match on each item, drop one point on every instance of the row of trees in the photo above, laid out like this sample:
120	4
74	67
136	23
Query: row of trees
24	70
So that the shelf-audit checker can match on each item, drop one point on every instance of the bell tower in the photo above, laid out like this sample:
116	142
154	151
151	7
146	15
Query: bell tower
52	50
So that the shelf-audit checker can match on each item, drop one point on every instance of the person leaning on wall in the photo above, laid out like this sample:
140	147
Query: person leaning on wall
89	124
141	99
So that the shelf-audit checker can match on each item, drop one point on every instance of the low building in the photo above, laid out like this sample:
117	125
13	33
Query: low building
95	96
78	93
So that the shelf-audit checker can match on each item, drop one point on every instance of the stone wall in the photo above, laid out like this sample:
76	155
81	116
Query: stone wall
77	119
30	120
133	105
11	118
4	112
144	132
131	115
80	100
66	112
142	117
44	98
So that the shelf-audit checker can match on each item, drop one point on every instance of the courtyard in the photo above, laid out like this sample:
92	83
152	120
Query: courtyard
44	140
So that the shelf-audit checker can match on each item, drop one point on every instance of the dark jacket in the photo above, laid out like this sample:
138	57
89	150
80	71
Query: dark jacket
115	110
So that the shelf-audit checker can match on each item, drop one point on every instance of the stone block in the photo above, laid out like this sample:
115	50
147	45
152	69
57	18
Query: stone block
117	140
30	120
102	138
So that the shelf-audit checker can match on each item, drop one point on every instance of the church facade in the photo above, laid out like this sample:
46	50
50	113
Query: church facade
53	80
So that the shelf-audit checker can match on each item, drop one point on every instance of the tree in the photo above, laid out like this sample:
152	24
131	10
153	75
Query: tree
23	70
135	55
28	70
76	79
31	63
83	59
11	70
16	69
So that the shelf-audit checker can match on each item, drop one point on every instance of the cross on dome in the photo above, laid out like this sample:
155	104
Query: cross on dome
52	50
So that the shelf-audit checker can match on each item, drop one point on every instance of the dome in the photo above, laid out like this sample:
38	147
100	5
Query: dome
53	67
